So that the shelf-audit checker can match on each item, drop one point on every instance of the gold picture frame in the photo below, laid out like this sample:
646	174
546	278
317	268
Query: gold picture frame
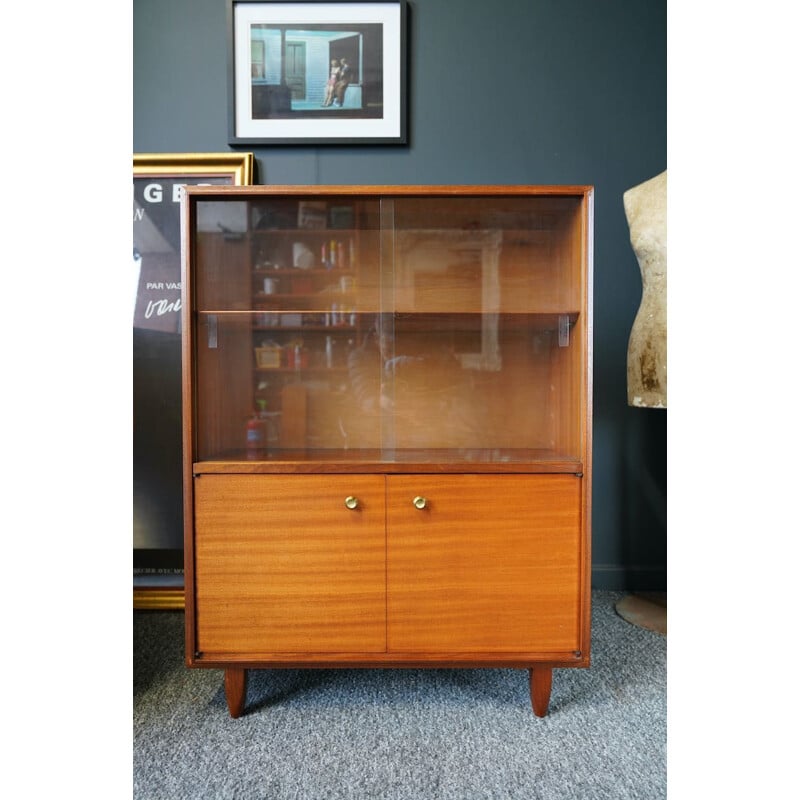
157	490
238	166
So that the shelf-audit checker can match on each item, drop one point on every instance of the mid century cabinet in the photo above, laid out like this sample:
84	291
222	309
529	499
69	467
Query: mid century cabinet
387	428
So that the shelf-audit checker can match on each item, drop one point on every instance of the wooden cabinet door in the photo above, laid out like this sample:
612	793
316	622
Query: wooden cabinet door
283	566
491	564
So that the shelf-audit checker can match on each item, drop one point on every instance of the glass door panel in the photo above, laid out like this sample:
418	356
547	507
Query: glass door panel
401	328
479	349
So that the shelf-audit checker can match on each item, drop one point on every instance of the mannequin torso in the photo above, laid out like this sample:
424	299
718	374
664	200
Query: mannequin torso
646	211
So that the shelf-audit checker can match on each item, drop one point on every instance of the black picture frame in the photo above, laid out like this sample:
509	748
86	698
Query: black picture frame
283	54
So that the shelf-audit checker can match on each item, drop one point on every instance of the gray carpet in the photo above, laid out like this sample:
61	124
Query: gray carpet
402	734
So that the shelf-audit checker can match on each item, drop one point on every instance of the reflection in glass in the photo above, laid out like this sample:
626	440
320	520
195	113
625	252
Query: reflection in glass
394	329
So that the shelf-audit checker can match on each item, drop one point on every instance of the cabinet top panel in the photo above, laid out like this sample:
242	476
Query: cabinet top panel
397	190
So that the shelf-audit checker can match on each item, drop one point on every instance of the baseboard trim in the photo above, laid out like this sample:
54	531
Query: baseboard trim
632	578
158	598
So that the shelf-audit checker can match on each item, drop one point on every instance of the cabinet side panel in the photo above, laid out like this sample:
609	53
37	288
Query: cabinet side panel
490	565
224	402
223	351
282	565
222	264
570	354
566	381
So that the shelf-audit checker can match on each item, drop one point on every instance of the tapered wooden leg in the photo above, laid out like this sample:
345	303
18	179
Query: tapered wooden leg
541	684
235	690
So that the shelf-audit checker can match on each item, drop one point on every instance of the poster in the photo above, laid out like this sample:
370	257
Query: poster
156	270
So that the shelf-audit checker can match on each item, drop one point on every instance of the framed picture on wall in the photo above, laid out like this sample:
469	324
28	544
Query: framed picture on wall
157	454
317	72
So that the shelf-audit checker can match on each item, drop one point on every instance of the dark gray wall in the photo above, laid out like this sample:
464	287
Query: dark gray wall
512	91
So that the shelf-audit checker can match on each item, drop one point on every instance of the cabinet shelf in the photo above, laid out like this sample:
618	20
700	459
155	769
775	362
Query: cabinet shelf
302	371
297	232
331	460
548	317
294	297
306	328
296	272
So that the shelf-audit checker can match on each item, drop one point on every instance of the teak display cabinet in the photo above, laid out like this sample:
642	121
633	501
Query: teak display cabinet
387	428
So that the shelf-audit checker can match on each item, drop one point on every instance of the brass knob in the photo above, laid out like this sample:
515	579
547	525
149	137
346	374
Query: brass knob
420	502
351	502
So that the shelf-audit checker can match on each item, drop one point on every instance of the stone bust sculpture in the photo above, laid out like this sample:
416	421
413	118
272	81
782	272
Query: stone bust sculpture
646	211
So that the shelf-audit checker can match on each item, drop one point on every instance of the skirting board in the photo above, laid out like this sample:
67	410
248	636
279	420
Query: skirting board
633	578
158	598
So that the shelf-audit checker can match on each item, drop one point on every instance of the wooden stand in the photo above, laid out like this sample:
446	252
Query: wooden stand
645	610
